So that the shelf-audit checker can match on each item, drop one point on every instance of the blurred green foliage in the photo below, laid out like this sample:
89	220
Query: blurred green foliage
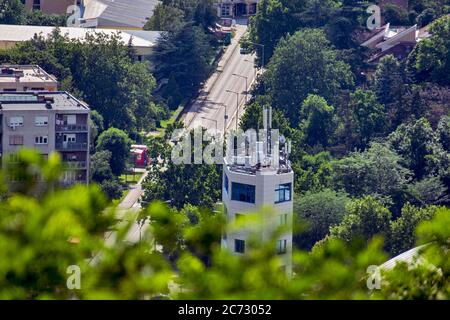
41	236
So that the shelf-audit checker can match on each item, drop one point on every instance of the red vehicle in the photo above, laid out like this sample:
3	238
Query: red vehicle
140	154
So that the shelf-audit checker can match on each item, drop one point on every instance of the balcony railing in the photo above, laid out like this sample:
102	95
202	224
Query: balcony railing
71	146
75	164
71	127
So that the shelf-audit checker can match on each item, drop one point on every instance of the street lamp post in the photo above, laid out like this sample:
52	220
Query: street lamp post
237	106
225	118
246	85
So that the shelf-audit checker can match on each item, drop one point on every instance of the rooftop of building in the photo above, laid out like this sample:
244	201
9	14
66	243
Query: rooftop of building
25	73
120	13
37	101
19	33
268	153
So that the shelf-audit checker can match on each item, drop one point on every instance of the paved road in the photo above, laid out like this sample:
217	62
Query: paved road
213	97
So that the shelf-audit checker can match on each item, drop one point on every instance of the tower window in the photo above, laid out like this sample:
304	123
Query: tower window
226	183
243	192
283	193
239	246
283	220
281	246
36	4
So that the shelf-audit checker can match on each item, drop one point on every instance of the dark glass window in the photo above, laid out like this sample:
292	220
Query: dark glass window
243	192
239	246
283	192
281	246
226	183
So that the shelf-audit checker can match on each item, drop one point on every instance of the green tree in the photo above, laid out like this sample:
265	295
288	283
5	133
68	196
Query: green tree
389	86
304	63
365	219
272	21
165	18
182	184
101	173
118	143
402	237
420	148
12	12
183	59
378	171
96	125
369	116
313	172
395	15
38	18
317	212
444	132
430	59
317	13
317	121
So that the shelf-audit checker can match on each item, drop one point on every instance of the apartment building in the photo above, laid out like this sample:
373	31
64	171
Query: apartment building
247	188
48	122
26	78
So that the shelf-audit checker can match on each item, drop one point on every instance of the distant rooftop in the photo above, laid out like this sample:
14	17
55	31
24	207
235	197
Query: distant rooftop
25	73
19	33
119	13
58	100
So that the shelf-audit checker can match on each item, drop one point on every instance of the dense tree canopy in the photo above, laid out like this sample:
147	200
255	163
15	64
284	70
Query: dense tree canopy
303	64
66	227
118	144
101	70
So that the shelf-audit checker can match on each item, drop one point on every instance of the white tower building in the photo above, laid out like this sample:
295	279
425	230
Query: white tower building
268	182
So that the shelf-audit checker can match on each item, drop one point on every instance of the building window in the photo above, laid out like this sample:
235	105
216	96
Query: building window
243	192
69	119
239	246
16	140
41	140
15	122
71	138
226	183
41	121
281	246
9	90
225	10
283	220
283	193
36	4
